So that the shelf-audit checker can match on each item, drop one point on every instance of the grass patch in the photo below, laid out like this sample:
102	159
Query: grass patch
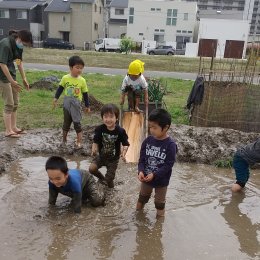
35	110
119	60
228	163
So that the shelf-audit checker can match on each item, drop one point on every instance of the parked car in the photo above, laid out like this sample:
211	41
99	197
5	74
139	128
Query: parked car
162	50
57	44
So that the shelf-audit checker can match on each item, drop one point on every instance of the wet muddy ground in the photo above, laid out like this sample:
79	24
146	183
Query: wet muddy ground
204	220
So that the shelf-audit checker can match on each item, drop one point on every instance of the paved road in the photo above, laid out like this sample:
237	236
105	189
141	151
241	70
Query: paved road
109	71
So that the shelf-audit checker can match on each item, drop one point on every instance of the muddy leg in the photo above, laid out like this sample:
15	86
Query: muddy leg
93	169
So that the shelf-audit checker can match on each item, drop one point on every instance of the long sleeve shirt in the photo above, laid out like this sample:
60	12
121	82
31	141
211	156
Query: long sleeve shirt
250	152
157	157
73	189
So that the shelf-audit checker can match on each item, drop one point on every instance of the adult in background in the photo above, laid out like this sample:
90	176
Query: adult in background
11	49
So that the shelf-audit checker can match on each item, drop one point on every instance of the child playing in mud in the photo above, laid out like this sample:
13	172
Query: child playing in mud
75	88
74	183
157	156
133	85
244	157
108	138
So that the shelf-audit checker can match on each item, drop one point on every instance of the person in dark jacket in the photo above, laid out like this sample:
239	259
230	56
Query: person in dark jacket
157	156
11	49
77	184
244	157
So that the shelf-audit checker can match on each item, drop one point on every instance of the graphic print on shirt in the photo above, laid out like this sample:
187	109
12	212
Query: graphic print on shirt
155	157
72	90
108	141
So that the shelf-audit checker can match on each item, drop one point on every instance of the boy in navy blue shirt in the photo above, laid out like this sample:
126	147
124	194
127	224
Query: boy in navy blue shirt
74	183
157	156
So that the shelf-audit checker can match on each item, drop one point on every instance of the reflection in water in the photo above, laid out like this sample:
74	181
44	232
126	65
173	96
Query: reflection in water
245	231
148	238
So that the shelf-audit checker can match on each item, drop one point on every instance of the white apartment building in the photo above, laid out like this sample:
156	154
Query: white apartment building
232	9
162	21
117	22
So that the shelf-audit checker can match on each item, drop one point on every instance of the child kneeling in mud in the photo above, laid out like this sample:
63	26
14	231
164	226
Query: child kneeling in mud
74	183
157	156
243	158
106	148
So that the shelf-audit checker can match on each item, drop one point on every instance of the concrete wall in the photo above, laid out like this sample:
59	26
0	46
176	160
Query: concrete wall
223	30
58	22
147	21
116	30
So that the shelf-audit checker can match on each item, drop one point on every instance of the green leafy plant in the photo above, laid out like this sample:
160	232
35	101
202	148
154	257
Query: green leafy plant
224	163
126	44
156	90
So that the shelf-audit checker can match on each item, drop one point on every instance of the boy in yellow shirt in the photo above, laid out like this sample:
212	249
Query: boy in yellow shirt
75	89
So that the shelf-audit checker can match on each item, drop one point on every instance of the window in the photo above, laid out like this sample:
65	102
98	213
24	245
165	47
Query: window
156	30
183	31
186	15
83	7
161	30
227	8
152	9
131	15
1	32
141	34
119	11
4	13
131	11
240	8
131	19
171	17
95	8
178	31
189	31
21	14
95	26
63	18
158	9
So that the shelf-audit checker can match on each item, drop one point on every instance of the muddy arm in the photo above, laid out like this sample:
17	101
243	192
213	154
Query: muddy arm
53	194
76	202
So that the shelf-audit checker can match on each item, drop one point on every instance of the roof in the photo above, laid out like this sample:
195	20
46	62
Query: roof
119	3
18	4
58	6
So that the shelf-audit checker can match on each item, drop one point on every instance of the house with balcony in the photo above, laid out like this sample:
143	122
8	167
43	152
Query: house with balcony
77	21
23	15
117	21
162	21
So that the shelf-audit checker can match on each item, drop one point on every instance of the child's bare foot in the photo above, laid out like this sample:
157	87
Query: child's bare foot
236	187
78	145
139	205
137	110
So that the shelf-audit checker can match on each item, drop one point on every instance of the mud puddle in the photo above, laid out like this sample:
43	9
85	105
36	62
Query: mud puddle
203	219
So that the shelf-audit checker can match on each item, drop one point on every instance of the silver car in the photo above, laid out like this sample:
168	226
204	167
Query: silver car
162	50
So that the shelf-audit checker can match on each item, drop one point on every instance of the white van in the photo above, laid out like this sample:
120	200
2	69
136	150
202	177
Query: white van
107	44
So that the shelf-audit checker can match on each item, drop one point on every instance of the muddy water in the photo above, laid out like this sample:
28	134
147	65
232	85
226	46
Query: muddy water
203	219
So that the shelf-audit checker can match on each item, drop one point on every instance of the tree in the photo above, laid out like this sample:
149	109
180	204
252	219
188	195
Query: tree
126	44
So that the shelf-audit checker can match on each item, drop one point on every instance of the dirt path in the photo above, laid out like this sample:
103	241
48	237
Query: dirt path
196	144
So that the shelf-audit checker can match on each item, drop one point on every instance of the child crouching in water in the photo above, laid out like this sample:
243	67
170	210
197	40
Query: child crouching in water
74	183
75	88
157	156
244	157
133	85
106	148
